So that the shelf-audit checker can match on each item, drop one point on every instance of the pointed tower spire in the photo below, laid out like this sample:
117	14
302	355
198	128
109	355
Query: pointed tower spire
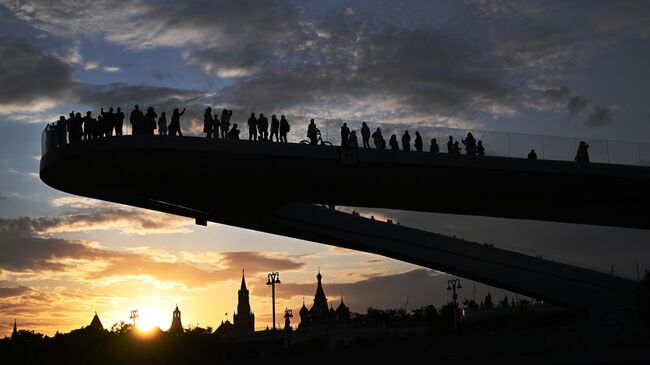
243	281
15	331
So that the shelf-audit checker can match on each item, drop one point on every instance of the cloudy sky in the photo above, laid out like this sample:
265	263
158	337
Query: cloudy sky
561	68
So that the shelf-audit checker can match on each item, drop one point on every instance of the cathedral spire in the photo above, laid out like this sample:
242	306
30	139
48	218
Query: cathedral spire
243	281
15	331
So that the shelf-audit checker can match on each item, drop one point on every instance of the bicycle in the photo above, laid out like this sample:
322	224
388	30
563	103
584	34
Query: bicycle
319	140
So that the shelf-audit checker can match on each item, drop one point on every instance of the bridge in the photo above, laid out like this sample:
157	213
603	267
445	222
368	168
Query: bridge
273	187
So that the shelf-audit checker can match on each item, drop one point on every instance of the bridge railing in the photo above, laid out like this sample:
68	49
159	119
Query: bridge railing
501	144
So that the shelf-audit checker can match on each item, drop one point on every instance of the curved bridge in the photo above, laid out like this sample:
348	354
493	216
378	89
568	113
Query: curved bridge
272	187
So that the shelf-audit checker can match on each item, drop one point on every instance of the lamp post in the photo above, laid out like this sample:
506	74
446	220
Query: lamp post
273	278
452	285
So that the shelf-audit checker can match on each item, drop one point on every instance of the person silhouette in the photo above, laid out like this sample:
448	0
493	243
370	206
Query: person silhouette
353	142
275	128
312	132
532	155
263	127
96	127
233	133
175	123
78	126
418	144
470	145
378	139
365	135
60	129
88	126
216	125
345	134
207	122
119	121
456	148
137	121
434	146
394	145
225	123
582	155
162	124
109	122
406	141
480	150
284	128
150	120
252	128
70	127
450	145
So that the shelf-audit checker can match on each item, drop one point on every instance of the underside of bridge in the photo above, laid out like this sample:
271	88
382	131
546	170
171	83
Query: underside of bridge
273	188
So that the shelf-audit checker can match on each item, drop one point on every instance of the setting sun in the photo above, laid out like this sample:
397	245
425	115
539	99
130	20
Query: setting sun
150	318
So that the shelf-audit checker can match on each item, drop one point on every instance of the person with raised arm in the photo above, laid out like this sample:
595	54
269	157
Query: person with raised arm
175	123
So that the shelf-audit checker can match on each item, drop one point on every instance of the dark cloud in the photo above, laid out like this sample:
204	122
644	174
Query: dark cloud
125	94
27	74
22	249
14	291
600	116
576	105
562	99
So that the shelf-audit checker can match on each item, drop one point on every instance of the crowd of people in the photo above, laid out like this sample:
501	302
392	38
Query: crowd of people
108	123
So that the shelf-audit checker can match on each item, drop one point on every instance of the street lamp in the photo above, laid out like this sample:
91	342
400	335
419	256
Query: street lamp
452	285
273	278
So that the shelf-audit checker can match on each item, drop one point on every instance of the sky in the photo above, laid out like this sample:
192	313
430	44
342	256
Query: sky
555	67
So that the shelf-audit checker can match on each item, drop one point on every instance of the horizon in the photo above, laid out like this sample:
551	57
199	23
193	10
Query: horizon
558	68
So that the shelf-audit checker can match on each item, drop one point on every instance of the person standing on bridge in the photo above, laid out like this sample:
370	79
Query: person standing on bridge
353	142
406	141
284	128
175	123
434	146
470	145
275	128
225	123
137	121
378	140
207	122
450	145
394	145
162	124
419	145
583	152
480	150
150	120
252	128
312	132
263	127
532	155
119	121
365	135
345	134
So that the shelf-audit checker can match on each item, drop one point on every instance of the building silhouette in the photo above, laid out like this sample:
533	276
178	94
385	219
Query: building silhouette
14	333
319	315
96	323
177	326
244	319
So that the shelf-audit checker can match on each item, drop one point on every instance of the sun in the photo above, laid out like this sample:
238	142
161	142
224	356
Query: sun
151	317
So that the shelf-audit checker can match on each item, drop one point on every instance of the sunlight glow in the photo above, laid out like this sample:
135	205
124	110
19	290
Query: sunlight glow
150	318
